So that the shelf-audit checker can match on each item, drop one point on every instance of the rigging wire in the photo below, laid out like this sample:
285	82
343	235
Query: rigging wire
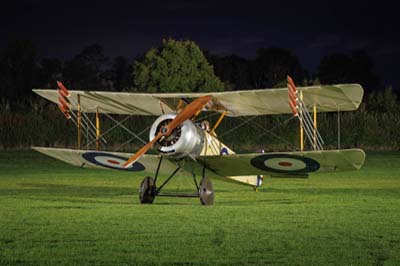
127	129
266	131
241	124
132	138
110	129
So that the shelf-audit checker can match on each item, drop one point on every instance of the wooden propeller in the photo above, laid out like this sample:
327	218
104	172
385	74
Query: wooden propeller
190	110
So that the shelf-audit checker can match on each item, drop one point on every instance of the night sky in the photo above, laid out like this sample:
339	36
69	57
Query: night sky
310	29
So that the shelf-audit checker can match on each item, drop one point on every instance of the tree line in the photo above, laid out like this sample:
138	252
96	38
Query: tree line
182	66
22	68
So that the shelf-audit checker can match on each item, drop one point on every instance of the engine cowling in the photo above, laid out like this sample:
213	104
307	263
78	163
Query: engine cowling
186	139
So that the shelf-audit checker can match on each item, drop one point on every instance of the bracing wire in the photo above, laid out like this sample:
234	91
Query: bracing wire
238	126
266	131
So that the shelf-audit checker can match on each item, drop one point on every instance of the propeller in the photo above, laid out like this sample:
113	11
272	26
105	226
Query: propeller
190	110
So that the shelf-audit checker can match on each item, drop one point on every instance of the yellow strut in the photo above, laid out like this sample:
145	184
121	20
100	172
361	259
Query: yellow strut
196	114
315	126
97	129
79	122
301	127
218	122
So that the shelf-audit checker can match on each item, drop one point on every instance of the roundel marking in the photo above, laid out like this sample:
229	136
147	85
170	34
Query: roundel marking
285	163
224	151
111	161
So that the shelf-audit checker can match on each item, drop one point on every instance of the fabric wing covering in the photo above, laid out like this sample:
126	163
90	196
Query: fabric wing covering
107	160
147	164
284	163
331	98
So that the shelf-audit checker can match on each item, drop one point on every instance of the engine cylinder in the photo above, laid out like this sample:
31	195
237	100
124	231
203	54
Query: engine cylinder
185	140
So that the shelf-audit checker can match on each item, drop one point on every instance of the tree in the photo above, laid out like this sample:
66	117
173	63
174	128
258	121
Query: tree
85	70
232	69
50	70
176	66
18	70
383	101
272	65
354	68
121	73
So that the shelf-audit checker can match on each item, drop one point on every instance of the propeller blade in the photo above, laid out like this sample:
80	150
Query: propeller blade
190	110
142	151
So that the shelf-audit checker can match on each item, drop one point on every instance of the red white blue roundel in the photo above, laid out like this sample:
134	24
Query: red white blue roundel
111	161
224	151
285	163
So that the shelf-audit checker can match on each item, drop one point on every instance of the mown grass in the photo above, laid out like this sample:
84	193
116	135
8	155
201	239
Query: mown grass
55	214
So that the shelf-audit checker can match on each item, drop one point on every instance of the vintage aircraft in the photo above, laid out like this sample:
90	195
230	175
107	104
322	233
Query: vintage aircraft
193	148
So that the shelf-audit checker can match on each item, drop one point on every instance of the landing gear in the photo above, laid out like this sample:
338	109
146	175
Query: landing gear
206	192
146	190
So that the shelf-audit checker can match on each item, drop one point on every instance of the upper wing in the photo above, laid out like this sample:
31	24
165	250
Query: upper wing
332	98
345	97
284	163
111	102
108	160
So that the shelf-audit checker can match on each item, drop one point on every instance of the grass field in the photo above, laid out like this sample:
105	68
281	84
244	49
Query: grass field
55	214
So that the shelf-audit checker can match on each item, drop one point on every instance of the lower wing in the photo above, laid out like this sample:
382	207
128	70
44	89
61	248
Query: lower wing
108	160
238	168
284	164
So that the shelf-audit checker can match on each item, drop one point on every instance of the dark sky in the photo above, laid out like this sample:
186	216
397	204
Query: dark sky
310	29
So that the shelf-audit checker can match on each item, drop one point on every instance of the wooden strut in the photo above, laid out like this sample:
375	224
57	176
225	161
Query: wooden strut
301	126
338	128
218	122
97	129
315	126
79	120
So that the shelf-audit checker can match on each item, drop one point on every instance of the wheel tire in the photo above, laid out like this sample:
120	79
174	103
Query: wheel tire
206	192
146	190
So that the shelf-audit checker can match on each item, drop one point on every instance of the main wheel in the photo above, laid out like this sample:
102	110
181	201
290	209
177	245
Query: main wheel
206	192
146	190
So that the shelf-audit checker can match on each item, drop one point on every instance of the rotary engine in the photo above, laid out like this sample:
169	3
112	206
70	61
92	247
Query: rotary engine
186	140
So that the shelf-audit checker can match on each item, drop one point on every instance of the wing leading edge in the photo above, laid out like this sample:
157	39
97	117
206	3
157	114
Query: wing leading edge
115	160
331	98
284	163
107	160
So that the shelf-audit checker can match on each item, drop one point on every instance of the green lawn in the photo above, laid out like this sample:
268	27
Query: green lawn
55	214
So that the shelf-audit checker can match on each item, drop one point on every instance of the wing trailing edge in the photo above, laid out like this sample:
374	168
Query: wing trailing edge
327	98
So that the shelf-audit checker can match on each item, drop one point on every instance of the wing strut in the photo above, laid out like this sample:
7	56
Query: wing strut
307	123
80	119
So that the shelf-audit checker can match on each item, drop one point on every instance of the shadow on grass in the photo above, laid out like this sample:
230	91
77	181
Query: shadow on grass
380	192
84	194
40	189
118	195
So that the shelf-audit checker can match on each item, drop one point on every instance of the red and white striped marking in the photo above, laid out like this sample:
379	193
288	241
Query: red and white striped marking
292	95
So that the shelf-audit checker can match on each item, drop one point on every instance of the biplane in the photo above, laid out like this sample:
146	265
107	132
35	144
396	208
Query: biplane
192	148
